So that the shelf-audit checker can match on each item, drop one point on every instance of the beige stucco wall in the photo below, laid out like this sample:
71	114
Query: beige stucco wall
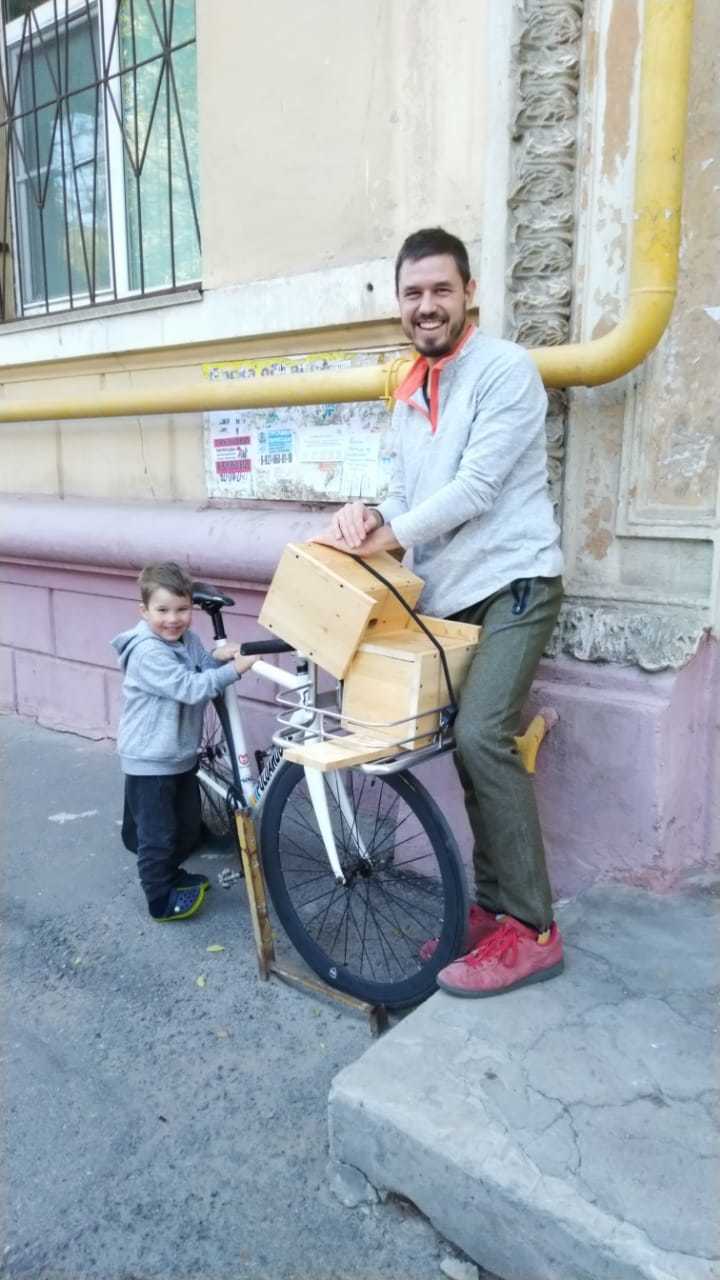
327	132
329	129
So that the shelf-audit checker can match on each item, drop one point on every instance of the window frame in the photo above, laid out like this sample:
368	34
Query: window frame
108	84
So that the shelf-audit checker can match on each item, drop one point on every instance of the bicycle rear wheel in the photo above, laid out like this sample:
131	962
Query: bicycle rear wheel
215	767
365	937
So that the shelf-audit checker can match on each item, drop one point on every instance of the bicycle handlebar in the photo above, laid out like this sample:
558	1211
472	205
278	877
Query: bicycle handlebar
265	646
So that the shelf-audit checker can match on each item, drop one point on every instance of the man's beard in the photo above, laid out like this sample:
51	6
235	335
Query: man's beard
427	344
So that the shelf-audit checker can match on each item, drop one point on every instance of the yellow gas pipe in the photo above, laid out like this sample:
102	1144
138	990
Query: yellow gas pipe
659	172
655	244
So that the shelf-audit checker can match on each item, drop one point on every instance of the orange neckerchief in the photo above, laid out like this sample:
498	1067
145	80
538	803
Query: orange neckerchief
416	377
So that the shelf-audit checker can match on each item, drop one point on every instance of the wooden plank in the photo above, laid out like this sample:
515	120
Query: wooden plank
337	753
354	574
446	627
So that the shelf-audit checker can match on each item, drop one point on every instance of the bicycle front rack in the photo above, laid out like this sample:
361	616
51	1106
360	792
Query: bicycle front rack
328	723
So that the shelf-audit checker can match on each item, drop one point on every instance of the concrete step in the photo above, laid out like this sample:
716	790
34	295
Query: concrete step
563	1131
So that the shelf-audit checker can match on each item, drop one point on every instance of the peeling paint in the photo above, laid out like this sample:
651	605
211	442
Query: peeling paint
622	46
599	535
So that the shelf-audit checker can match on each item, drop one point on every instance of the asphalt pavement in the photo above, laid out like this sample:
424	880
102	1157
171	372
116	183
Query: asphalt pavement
165	1112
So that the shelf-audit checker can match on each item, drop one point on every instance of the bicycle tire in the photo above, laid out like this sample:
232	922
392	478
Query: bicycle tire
214	758
402	897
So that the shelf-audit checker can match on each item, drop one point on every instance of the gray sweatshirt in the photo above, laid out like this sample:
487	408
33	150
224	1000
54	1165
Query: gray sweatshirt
166	686
469	490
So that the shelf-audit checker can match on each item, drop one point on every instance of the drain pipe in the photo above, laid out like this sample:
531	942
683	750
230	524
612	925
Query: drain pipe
653	279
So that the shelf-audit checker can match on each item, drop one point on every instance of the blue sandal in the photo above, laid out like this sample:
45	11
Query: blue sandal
178	905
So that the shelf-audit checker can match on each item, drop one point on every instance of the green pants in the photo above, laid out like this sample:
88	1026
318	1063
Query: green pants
508	855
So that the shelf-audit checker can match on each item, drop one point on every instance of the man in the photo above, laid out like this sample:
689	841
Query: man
469	496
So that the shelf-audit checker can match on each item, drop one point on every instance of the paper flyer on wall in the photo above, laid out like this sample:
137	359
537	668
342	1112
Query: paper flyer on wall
303	452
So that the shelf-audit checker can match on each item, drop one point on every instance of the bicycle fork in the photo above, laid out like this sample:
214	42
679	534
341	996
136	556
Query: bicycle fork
316	784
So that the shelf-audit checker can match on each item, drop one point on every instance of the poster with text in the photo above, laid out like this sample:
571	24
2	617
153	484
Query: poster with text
307	453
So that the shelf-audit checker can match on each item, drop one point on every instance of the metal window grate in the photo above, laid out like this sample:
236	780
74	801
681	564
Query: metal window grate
98	152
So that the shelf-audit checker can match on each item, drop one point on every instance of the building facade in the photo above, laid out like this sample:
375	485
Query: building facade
216	190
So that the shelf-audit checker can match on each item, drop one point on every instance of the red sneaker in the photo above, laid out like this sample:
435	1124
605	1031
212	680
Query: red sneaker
510	957
480	924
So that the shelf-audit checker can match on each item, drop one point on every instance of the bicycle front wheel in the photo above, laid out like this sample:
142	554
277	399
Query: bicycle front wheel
404	883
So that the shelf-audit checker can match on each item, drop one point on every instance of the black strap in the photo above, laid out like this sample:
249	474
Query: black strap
451	712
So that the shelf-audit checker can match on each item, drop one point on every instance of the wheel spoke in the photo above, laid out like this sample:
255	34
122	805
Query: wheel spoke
334	942
390	945
328	894
380	934
394	922
303	853
392	897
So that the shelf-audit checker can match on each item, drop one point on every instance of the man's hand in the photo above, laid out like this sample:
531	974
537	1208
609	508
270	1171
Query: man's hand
382	539
350	526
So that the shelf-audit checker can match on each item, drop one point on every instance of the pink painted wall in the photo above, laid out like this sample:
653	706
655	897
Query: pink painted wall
56	663
627	781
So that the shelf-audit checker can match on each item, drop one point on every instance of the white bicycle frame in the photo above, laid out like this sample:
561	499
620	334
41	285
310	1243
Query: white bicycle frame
318	783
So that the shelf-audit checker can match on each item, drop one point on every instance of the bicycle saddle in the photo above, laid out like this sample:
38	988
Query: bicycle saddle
208	596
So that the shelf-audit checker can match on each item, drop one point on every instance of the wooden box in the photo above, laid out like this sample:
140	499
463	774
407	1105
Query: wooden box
323	602
398	675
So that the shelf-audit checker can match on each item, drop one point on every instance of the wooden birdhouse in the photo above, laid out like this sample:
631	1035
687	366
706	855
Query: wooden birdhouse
400	677
330	608
323	602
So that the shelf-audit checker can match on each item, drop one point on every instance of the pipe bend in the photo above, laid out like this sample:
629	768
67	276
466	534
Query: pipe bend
590	364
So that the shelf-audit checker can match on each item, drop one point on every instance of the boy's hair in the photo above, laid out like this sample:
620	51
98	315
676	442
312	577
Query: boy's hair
429	242
166	574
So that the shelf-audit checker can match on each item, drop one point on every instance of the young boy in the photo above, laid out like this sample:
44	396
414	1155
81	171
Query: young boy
169	677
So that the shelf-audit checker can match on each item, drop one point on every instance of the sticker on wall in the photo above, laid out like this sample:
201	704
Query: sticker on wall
309	453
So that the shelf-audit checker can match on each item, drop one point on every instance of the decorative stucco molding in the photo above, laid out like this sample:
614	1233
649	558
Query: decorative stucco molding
654	639
542	190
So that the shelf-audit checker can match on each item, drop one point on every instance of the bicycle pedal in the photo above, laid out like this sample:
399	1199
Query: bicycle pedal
227	877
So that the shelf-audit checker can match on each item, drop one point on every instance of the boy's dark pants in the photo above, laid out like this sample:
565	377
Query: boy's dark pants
161	824
509	857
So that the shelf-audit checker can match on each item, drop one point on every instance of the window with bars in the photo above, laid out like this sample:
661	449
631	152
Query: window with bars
98	152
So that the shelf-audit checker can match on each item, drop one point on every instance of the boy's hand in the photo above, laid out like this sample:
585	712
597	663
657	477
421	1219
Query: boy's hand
244	664
225	652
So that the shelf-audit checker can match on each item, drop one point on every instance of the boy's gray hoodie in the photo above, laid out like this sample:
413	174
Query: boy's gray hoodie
166	686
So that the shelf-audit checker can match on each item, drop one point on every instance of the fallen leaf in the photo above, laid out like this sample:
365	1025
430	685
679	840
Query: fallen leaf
201	981
215	947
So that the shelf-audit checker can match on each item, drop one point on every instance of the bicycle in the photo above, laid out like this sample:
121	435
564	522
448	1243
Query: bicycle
360	864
